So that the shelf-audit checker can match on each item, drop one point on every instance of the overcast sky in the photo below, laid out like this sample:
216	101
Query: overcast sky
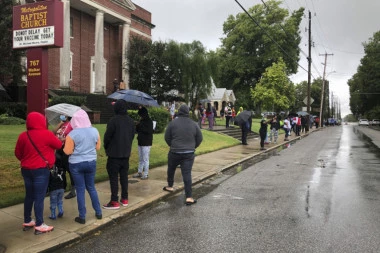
338	27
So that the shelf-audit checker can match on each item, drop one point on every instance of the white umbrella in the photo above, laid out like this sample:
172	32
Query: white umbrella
53	113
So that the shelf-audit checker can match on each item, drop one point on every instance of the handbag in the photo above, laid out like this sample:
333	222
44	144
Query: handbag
34	145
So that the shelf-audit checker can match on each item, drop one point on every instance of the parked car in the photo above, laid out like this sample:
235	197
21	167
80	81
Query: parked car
363	122
375	122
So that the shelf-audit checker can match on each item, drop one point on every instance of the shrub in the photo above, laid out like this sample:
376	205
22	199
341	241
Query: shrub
5	120
74	100
12	109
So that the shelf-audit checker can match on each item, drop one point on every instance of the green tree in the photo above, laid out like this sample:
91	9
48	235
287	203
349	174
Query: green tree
140	67
365	84
11	68
274	91
248	48
195	72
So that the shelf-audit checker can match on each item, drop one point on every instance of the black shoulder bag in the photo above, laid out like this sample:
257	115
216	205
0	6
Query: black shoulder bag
47	163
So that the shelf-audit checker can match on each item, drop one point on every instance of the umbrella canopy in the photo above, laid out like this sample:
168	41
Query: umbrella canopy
205	100
53	112
302	113
243	117
134	96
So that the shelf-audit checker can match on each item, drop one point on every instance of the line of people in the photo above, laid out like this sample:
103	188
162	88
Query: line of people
72	148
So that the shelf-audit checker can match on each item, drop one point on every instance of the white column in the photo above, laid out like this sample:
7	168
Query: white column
100	72
125	48
65	62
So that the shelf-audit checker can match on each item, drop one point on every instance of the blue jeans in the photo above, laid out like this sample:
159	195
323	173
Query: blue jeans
84	179
186	161
144	152
56	198
36	183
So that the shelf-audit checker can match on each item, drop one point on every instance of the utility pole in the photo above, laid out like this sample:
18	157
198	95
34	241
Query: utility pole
309	67
323	90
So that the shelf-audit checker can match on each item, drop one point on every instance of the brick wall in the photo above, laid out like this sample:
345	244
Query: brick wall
83	48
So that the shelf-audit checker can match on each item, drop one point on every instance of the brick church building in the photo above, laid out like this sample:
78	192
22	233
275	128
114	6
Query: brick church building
96	38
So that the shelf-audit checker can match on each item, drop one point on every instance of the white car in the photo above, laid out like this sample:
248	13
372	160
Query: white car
363	122
375	122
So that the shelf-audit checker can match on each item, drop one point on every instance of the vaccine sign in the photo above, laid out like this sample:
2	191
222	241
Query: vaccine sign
33	37
38	25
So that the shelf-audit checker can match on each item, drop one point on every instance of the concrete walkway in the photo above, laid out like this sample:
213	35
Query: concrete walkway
141	194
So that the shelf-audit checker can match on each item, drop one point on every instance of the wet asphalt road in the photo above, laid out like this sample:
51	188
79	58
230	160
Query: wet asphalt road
320	194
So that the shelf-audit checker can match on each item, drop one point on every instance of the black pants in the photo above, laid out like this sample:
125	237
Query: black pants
228	118
244	133
186	161
116	167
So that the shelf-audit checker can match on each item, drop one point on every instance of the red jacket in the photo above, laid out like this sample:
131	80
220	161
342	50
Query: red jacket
45	141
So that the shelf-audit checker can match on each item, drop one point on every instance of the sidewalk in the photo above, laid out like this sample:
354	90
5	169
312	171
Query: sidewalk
142	193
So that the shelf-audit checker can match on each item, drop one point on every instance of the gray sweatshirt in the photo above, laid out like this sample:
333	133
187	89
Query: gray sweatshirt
183	135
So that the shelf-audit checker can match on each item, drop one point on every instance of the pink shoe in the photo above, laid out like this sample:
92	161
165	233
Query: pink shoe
43	228
29	225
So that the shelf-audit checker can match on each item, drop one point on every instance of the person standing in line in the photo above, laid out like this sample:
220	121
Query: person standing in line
233	114
172	110
144	130
115	84
245	126
122	85
274	126
118	140
240	110
201	112
210	116
287	128
228	114
35	150
183	136
263	133
56	190
81	144
62	160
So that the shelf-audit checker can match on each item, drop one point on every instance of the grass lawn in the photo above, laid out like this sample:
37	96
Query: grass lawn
12	184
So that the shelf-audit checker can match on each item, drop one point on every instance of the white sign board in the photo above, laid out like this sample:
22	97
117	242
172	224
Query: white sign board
42	36
311	100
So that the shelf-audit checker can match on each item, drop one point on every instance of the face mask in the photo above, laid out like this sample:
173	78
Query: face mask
62	118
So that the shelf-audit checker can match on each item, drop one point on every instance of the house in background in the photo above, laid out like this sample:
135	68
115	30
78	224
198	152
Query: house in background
219	97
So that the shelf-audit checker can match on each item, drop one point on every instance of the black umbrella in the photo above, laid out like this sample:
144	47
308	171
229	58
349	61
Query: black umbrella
243	117
134	96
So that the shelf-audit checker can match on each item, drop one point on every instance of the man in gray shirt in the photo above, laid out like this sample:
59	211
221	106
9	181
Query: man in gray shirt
183	136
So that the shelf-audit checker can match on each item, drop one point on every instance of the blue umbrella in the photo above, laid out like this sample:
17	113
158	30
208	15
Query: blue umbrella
134	96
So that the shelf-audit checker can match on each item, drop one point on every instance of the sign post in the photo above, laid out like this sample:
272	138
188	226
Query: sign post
37	27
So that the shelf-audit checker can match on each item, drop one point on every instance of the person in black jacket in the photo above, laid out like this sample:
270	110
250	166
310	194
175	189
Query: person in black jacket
263	133
57	185
144	131
118	140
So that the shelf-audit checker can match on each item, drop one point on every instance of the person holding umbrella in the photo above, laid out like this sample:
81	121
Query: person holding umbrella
118	139
244	120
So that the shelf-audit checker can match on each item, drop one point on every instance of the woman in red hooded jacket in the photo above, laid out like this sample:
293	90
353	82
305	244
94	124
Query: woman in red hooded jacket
34	168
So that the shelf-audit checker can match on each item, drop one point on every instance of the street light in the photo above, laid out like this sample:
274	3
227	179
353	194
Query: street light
322	96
